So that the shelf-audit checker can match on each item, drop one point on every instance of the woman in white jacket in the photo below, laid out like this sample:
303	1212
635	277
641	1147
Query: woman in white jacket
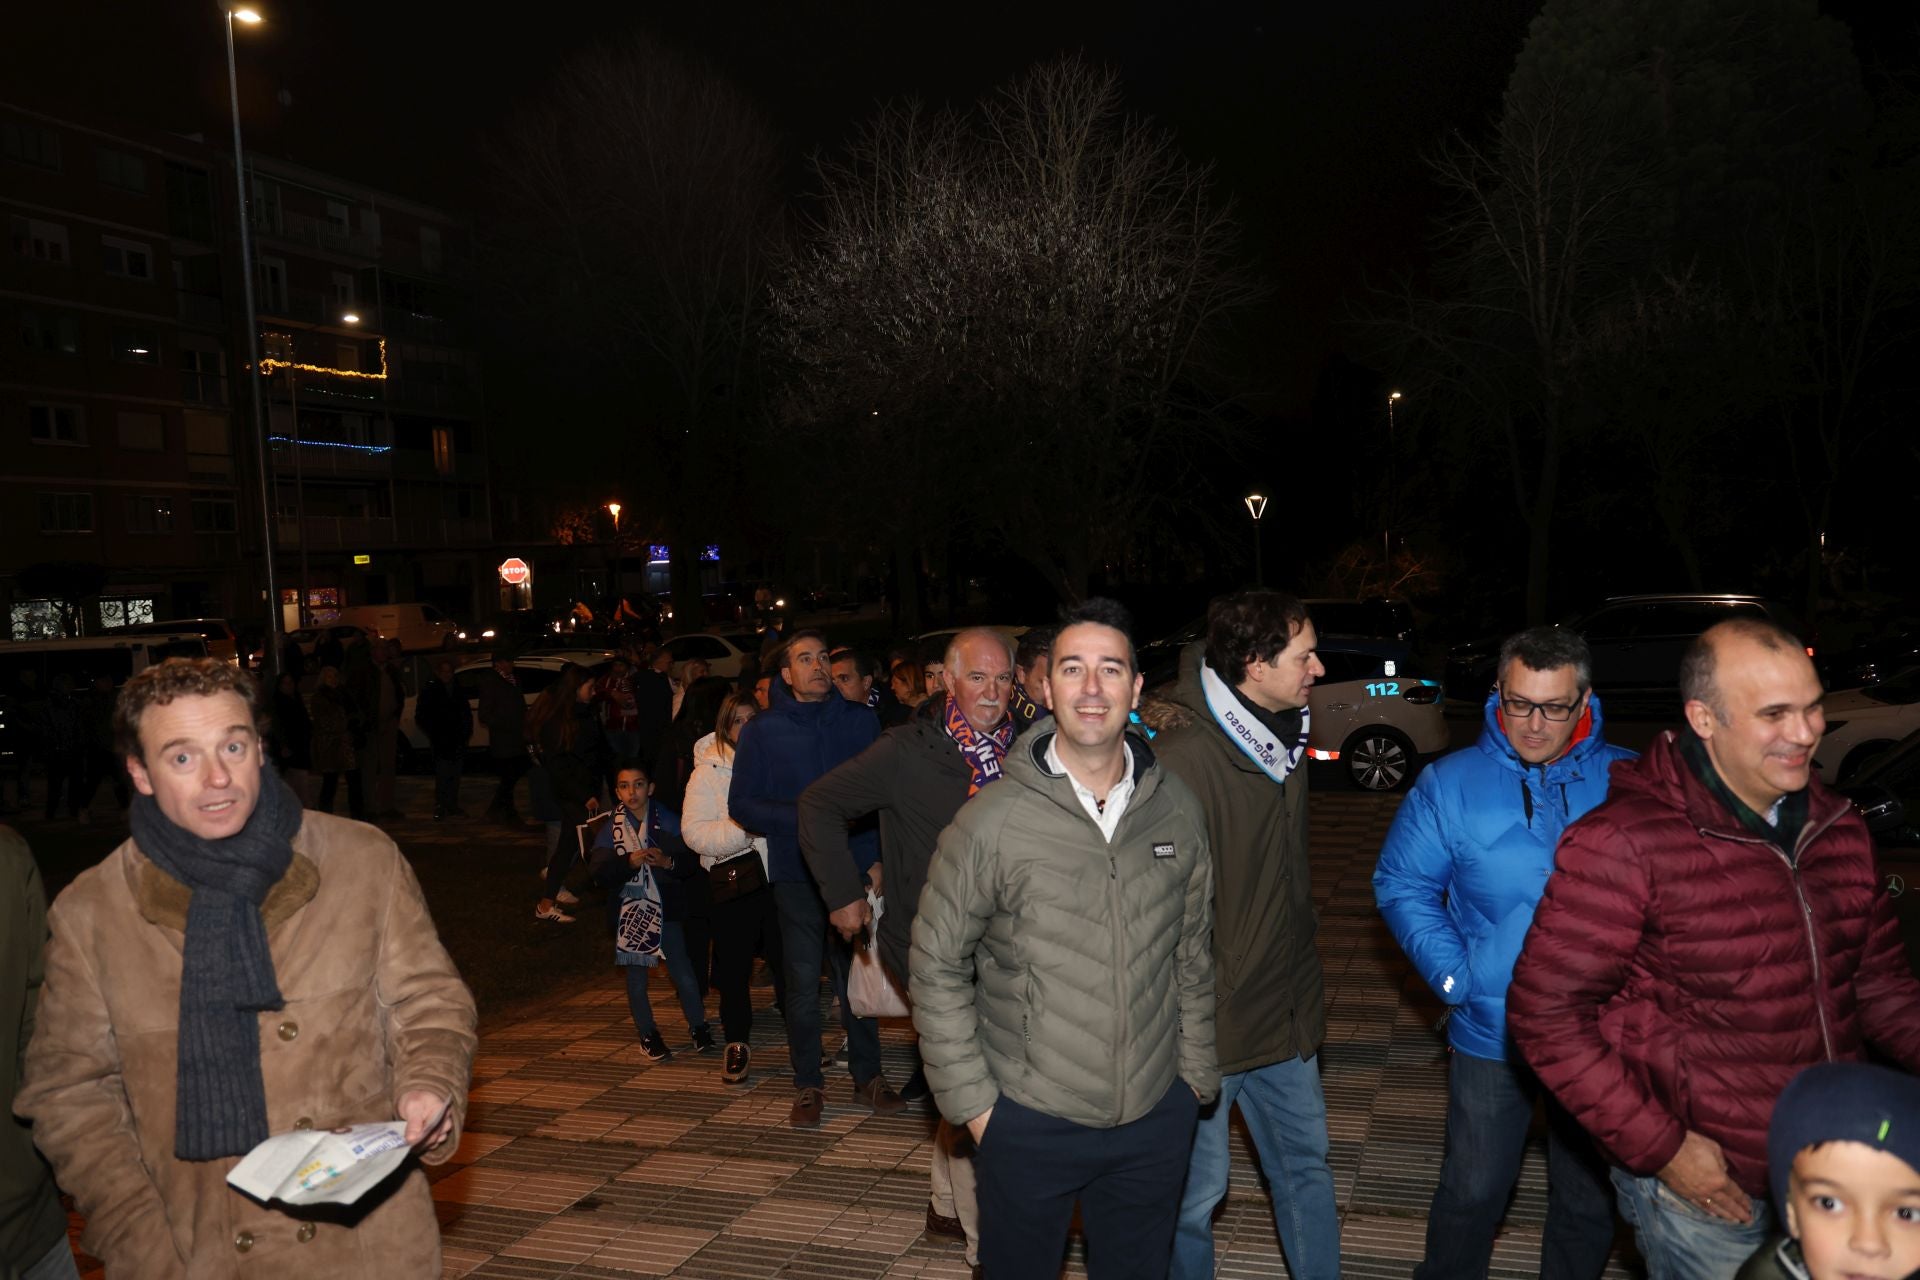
744	924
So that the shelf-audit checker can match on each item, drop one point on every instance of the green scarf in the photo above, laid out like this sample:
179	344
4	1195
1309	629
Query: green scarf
1793	806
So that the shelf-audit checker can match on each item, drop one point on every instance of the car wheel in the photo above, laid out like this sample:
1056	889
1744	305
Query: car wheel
1378	759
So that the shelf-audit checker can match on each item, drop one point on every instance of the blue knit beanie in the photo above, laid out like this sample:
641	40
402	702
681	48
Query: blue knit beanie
1843	1102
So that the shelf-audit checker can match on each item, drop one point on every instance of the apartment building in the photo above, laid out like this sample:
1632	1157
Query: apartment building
130	489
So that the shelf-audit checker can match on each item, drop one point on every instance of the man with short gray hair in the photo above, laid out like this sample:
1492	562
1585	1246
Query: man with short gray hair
1458	880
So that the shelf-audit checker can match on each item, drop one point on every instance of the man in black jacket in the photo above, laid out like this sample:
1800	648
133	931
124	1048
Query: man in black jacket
916	777
444	716
503	709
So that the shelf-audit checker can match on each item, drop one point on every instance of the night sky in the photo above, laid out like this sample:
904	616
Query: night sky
1315	115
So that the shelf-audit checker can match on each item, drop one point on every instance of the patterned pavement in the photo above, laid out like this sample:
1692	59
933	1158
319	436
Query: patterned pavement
581	1159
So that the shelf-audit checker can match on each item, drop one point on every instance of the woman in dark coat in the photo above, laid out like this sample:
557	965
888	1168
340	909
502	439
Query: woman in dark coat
291	737
333	714
572	748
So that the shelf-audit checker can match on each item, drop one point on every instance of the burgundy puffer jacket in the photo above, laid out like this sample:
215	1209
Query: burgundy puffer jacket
1680	971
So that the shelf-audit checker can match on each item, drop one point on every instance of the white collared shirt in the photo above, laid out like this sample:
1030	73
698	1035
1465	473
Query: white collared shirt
1105	815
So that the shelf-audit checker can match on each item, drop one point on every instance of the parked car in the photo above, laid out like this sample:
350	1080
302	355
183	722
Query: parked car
1160	659
1370	618
117	656
1374	716
728	653
223	642
1887	794
1637	641
1865	723
1871	662
308	638
416	626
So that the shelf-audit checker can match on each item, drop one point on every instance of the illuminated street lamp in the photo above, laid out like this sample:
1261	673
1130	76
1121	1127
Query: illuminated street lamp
271	659
1257	507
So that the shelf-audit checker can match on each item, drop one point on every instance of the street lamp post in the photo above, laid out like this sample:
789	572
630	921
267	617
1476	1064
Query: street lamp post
1386	534
271	659
1257	507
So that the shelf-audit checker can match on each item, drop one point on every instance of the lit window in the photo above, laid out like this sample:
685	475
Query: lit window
149	513
126	612
135	346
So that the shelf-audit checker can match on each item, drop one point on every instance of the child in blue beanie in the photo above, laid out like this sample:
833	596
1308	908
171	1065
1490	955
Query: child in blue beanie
1843	1153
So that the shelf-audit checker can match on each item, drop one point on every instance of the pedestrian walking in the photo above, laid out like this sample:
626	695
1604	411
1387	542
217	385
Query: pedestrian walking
64	746
1458	880
745	921
443	715
619	713
807	730
1237	736
333	714
103	766
383	745
639	857
1063	978
572	750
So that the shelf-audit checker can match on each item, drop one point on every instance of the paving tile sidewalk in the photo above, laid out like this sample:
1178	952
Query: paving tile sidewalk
581	1159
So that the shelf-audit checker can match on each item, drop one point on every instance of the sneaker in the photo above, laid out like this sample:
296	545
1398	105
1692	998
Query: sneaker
841	1062
552	915
567	898
654	1048
807	1105
703	1041
733	1068
876	1094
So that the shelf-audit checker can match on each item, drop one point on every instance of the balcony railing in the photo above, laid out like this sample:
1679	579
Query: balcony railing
323	458
441	531
430	397
315	233
357	532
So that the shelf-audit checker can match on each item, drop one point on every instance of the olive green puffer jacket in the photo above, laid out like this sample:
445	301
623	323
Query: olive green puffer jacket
1094	960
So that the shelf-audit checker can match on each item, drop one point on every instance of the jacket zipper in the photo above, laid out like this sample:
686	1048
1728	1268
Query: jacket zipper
1119	969
1806	917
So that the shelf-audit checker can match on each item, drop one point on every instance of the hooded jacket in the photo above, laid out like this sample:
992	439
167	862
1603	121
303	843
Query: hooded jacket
373	1010
1681	970
915	778
781	751
1093	960
1466	859
709	829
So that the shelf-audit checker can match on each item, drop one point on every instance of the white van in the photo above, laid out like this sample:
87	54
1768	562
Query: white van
415	626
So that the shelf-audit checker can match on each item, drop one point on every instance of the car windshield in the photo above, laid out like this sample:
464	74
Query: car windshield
1902	690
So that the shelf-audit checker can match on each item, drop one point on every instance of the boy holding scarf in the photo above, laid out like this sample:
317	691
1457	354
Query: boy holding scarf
639	857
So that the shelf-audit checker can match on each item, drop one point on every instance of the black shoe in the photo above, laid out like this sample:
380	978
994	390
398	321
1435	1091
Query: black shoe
733	1068
916	1086
703	1038
655	1048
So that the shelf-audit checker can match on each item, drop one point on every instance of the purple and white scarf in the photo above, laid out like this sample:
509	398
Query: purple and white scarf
984	752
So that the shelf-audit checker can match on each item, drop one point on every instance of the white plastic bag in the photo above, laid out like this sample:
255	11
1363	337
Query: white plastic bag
870	991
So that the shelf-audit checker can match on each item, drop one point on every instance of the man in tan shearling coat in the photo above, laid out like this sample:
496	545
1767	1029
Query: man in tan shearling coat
239	968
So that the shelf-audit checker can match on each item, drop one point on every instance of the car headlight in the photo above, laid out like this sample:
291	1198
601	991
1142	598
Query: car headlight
487	634
779	604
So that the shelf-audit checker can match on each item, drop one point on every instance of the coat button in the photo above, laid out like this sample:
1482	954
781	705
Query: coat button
304	1122
243	1241
289	1030
306	1232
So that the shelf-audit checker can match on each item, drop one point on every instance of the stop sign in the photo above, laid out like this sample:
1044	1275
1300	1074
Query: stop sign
513	572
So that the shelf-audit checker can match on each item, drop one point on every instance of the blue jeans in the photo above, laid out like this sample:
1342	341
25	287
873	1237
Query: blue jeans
1681	1242
805	947
1489	1110
673	944
446	784
1286	1113
56	1264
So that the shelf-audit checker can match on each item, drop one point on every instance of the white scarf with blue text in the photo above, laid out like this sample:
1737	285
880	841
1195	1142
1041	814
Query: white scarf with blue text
1253	737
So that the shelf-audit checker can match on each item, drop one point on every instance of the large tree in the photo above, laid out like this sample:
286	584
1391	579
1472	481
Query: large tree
638	201
1027	291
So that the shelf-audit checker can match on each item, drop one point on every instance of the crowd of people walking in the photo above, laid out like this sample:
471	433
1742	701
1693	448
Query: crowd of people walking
1096	905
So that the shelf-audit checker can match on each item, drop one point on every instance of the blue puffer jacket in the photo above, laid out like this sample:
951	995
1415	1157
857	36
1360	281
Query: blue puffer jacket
1467	858
781	751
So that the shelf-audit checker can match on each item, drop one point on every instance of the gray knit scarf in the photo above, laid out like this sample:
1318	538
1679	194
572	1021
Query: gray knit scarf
226	974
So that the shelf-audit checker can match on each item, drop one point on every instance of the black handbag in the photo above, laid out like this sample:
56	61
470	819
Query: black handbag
737	877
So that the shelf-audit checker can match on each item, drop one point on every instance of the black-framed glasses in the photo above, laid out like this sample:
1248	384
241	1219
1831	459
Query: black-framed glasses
1521	708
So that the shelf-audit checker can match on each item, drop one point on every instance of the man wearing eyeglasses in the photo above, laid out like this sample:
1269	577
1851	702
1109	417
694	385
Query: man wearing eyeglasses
1461	872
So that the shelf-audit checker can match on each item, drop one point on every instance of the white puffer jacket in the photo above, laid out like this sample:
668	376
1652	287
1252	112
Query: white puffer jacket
704	823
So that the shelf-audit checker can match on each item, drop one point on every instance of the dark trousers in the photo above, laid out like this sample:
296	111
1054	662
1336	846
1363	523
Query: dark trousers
104	766
806	947
572	818
446	785
1032	1167
1489	1110
740	928
511	769
330	785
698	927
